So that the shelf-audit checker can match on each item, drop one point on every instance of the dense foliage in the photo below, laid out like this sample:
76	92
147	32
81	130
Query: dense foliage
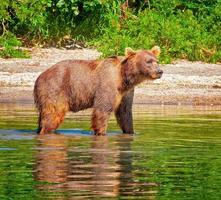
188	29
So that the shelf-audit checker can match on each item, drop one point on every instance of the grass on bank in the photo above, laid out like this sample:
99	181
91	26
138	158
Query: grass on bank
183	29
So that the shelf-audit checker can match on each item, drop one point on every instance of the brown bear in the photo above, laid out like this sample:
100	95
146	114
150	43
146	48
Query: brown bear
104	85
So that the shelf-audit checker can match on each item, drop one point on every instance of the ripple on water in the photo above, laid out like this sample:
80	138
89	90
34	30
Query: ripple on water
7	149
172	156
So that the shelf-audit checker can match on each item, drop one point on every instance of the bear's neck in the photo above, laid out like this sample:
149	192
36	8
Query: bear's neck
130	77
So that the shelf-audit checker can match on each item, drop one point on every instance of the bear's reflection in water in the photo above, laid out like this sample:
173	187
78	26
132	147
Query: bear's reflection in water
87	167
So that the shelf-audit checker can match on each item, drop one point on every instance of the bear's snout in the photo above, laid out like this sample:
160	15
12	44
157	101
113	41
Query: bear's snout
159	72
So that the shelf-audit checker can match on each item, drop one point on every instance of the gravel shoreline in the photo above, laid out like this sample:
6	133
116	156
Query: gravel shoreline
183	82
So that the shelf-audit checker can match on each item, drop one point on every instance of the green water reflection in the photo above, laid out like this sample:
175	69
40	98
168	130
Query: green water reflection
176	154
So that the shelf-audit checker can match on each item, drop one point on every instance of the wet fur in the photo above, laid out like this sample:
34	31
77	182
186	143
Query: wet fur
73	85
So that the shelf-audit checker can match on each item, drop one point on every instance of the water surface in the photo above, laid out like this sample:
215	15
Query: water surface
175	154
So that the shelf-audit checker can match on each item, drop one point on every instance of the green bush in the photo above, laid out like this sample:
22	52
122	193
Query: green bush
175	28
9	47
187	29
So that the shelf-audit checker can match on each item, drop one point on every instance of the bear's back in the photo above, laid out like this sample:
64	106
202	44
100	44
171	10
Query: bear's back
71	78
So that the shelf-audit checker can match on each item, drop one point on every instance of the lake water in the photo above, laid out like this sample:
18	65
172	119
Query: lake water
175	154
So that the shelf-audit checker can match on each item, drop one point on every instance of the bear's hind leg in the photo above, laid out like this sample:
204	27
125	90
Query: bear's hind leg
50	122
50	119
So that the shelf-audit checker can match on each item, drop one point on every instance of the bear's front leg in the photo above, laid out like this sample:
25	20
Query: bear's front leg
124	113
99	121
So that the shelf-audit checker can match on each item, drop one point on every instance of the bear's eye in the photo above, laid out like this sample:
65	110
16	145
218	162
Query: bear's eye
150	61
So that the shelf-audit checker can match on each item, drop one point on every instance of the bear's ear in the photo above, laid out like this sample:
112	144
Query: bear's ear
156	50
129	51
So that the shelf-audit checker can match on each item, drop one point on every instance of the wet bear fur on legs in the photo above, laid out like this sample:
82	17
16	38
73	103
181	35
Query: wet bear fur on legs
104	85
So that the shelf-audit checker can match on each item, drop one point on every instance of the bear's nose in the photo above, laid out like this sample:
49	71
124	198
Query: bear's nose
160	71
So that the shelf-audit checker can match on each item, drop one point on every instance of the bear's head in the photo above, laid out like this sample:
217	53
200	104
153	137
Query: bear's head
144	62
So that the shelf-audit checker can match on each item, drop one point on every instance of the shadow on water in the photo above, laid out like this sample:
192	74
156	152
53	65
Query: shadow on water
176	154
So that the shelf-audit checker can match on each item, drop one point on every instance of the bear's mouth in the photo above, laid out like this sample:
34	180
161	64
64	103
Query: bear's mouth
154	76
159	75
